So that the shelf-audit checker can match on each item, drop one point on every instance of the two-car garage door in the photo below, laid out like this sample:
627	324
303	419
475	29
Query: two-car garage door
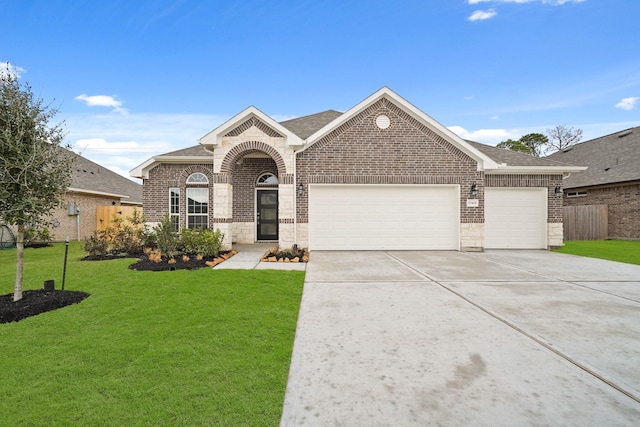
383	217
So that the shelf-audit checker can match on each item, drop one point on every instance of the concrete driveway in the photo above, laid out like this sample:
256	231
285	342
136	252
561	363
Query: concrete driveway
449	338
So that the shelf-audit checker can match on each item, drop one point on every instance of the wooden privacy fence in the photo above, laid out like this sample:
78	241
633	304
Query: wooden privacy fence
589	222
104	214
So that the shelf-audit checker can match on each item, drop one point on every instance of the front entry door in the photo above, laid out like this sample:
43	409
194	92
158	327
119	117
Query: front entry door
267	214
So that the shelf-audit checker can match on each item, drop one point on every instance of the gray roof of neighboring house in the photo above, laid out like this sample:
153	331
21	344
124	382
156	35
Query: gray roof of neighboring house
513	158
610	159
91	177
306	126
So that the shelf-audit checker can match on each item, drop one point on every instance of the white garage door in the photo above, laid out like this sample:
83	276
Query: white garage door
515	218
383	217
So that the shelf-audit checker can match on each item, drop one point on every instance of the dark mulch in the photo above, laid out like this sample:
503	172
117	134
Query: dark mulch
144	264
34	302
106	257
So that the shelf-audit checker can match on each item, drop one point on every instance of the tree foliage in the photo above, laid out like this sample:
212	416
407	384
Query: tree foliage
561	137
35	170
533	143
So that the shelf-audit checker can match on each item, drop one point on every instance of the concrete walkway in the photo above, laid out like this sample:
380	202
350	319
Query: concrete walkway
449	338
248	258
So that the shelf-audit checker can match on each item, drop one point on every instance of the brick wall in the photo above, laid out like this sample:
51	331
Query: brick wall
155	191
624	208
406	152
554	203
68	224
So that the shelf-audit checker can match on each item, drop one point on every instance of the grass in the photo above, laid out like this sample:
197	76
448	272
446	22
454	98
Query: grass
171	348
614	250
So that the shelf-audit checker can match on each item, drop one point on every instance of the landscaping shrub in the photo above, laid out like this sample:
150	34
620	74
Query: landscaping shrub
37	236
166	237
96	246
123	236
202	242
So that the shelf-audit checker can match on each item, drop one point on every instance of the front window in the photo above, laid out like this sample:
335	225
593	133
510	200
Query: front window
197	208
174	207
197	178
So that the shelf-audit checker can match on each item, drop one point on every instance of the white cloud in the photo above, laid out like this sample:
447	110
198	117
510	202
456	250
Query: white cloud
468	98
487	136
102	101
627	103
121	142
495	118
8	68
481	15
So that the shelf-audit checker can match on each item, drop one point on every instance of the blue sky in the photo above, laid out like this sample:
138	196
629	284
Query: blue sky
133	79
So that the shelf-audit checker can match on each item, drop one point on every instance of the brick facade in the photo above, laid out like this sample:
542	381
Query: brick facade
155	193
82	226
623	207
554	203
406	152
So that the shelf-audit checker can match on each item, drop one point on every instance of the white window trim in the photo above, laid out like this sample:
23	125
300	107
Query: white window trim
189	215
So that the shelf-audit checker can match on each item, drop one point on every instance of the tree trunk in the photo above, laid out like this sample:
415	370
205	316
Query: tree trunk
17	291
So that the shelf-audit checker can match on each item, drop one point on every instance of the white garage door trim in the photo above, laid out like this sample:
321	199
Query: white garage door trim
515	218
384	217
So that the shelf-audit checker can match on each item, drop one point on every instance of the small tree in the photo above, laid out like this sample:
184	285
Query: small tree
561	137
35	170
532	143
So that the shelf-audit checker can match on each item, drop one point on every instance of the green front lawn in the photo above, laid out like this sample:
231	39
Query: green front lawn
171	348
614	250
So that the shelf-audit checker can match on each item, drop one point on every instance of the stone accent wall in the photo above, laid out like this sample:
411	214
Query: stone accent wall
624	207
554	203
407	152
555	235
155	191
471	237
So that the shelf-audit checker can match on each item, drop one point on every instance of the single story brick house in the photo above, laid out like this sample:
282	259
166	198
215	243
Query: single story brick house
381	176
92	185
612	179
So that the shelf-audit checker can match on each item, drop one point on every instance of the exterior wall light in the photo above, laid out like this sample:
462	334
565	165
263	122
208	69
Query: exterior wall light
558	191
474	190
300	190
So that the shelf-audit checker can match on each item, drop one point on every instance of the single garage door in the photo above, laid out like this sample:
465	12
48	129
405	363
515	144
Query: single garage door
383	217
515	218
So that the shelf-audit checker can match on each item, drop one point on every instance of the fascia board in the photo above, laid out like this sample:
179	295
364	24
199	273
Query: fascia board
97	193
142	171
214	137
483	160
534	170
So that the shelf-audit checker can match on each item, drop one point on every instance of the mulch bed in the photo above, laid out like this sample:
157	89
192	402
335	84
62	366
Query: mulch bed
34	302
145	264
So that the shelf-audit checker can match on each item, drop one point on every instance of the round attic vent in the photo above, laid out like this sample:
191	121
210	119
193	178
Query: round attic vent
383	121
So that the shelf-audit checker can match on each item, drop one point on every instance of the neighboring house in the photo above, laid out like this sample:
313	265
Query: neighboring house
92	186
612	179
380	176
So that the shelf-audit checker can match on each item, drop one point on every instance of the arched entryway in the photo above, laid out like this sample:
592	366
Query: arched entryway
254	195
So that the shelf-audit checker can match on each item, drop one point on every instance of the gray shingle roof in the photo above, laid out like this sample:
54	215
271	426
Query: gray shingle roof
90	176
610	159
306	126
514	158
194	150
